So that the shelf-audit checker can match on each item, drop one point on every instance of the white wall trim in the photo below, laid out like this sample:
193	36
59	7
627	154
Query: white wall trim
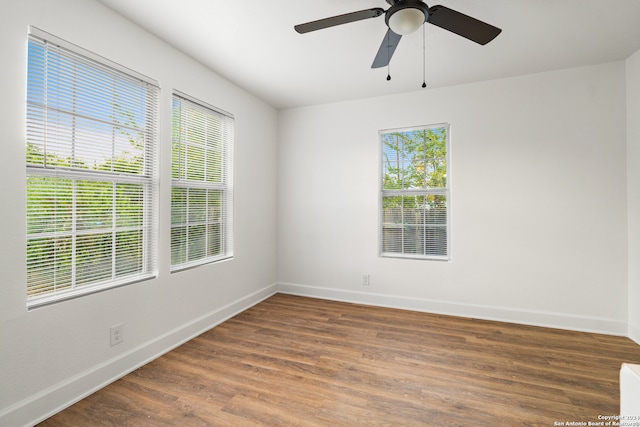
501	314
50	401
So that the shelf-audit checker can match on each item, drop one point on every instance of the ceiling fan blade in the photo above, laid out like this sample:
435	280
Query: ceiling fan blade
339	20
462	25
388	46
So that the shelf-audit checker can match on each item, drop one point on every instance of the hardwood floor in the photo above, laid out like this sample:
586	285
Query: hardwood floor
306	362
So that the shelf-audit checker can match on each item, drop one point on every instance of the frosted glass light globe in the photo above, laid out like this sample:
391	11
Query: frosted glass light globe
406	21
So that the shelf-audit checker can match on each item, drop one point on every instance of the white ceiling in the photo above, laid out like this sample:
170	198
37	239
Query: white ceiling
253	44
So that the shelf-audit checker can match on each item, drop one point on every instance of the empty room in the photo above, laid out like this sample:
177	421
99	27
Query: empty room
356	212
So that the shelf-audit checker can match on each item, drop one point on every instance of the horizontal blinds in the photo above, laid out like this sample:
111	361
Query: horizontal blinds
414	193
202	184
91	186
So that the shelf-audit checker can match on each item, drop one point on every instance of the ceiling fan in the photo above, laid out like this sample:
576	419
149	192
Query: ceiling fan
405	17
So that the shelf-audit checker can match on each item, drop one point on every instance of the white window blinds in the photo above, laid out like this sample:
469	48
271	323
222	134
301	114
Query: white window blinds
414	196
202	184
91	179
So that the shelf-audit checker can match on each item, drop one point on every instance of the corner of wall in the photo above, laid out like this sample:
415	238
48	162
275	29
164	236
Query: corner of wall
632	65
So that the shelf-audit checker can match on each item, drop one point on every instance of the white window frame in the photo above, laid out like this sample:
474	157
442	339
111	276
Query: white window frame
441	191
224	218
146	179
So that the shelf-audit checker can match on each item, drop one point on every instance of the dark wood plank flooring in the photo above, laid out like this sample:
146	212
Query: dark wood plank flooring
307	362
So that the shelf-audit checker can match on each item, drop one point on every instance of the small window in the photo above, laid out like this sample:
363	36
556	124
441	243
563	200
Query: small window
91	180
202	184
414	196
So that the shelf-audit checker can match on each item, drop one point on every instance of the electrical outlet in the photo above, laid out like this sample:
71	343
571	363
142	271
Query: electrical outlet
365	279
116	334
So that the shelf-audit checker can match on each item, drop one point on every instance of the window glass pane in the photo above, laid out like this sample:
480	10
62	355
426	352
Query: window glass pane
197	205
49	266
178	245
36	75
436	241
413	209
195	163
436	174
435	207
214	243
215	167
201	200
94	204
412	240
129	252
414	192
91	159
414	159
93	258
49	204
129	205
85	127
177	155
392	209
178	205
196	246
214	205
392	239
391	163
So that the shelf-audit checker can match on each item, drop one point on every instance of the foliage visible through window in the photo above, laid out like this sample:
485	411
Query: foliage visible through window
201	192
415	193
90	173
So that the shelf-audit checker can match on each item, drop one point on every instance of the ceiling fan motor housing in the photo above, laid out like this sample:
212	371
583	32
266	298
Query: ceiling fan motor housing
406	16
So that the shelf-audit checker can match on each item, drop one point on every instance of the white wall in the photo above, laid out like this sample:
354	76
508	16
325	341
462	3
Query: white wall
538	201
60	352
539	211
633	191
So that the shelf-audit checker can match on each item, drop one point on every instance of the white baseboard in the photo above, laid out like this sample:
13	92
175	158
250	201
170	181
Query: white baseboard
525	317
48	402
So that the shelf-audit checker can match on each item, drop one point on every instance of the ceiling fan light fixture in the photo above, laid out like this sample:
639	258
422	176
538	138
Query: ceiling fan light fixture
407	18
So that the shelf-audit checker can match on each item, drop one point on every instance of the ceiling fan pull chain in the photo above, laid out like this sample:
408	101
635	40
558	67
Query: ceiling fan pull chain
389	59
424	59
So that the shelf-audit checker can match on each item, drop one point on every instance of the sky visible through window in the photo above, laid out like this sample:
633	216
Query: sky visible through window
73	114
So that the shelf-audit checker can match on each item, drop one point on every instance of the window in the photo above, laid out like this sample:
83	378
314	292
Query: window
414	196
91	181
202	184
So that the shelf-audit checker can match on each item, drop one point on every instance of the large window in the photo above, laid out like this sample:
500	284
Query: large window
202	184
414	196
91	183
